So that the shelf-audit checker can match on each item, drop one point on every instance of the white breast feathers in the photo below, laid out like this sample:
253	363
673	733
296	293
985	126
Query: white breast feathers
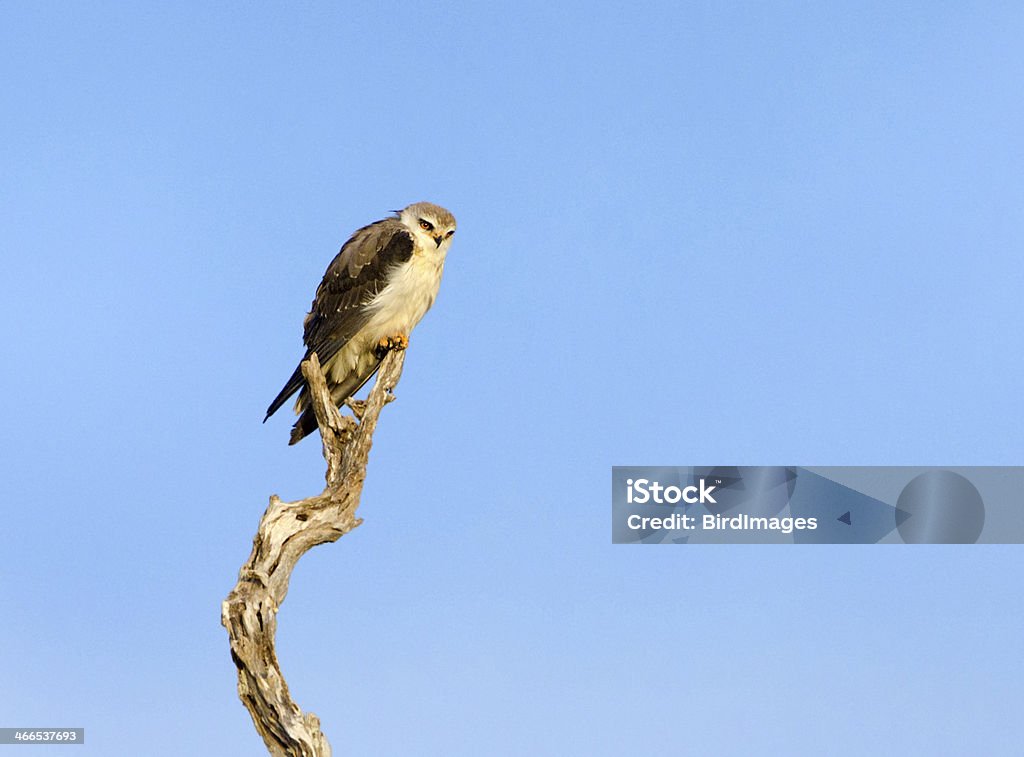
411	290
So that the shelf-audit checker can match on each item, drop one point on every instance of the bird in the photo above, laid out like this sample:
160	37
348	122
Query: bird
377	288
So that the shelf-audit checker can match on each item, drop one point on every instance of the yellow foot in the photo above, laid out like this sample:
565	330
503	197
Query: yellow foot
389	343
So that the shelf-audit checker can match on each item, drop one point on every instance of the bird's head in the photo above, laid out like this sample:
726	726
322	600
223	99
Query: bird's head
430	225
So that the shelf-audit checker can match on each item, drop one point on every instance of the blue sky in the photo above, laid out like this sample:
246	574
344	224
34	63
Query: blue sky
689	234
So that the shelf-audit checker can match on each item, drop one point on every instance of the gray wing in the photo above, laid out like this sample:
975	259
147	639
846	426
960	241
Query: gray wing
355	276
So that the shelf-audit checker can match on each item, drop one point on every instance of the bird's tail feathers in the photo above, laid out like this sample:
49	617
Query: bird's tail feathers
304	426
293	385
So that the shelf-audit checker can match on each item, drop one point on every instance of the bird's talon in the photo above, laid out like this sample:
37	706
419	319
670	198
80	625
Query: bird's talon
393	343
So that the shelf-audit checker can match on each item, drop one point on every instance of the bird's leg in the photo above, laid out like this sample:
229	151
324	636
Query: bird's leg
389	343
358	407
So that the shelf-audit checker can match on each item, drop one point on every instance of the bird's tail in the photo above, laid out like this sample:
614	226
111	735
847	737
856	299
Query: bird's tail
294	383
304	426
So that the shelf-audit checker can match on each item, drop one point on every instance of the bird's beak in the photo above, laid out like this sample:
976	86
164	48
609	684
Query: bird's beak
439	240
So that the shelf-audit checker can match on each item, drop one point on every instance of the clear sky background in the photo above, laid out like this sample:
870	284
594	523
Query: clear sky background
689	234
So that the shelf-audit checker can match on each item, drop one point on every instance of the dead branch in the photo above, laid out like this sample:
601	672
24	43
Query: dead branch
286	532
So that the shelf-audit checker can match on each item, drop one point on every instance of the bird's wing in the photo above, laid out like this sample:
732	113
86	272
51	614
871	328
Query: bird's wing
356	275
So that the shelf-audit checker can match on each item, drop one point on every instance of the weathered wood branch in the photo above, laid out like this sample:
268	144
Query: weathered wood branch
286	532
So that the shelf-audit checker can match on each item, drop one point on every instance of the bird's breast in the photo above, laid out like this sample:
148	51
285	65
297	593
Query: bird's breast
410	291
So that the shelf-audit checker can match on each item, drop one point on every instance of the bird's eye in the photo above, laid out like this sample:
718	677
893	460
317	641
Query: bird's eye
426	225
449	234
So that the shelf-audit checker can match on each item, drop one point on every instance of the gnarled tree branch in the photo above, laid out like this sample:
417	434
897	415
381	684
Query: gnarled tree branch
286	532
